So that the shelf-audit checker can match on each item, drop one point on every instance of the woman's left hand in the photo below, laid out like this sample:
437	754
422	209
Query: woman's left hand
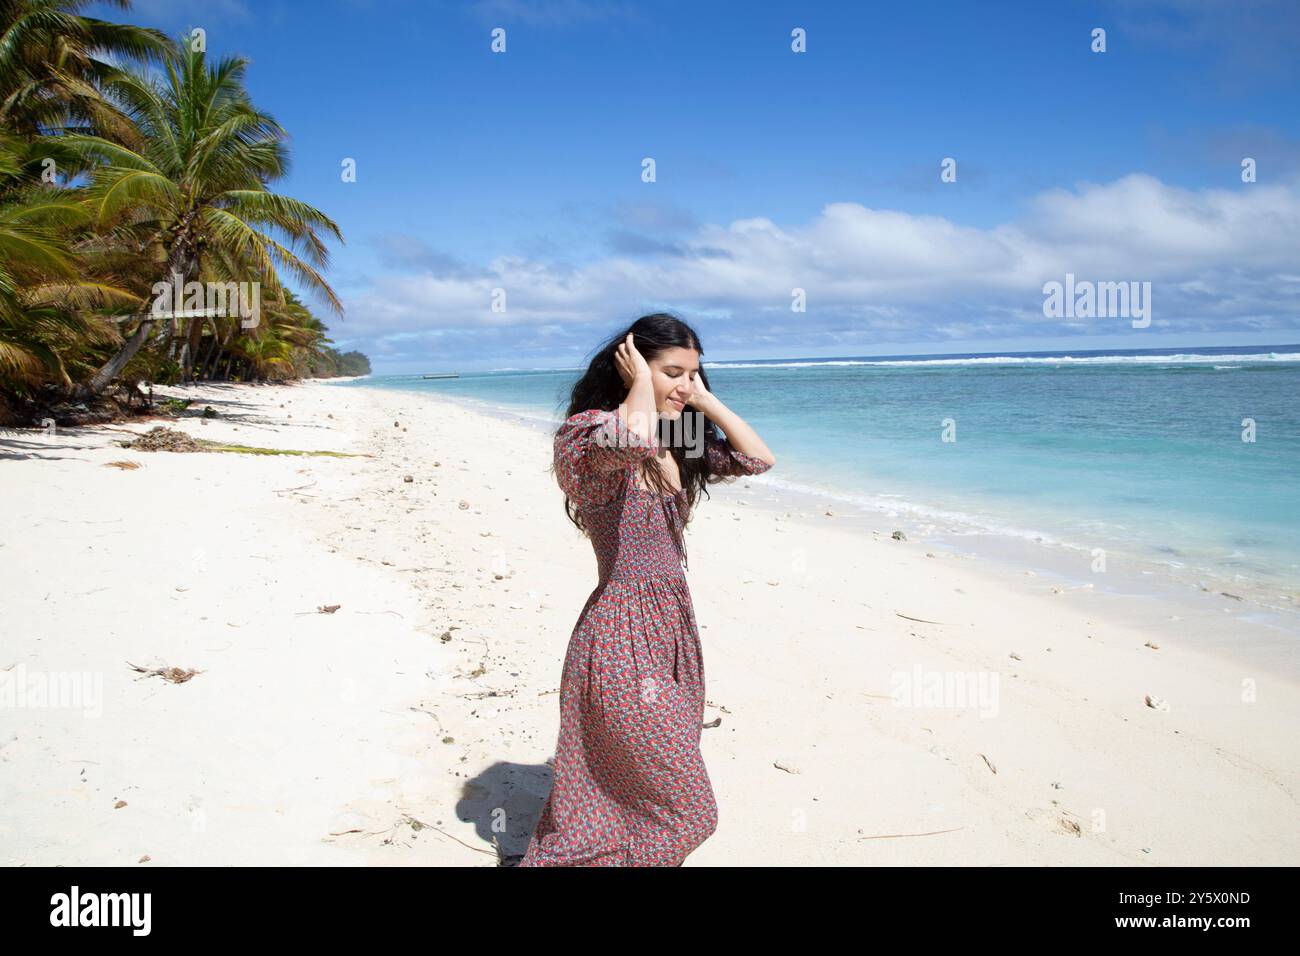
701	398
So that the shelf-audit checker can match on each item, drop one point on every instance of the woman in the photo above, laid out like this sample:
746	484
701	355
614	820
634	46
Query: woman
629	786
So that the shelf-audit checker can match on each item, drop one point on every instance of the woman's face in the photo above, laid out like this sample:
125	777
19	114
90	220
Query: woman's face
673	374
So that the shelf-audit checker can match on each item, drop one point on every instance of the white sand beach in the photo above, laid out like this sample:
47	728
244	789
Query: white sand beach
411	725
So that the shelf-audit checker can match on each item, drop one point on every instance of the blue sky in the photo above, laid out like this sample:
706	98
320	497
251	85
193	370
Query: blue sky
778	170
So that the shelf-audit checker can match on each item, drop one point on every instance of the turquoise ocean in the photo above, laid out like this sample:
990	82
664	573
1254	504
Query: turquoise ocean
1182	464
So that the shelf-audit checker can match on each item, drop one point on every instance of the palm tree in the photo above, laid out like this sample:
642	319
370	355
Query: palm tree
303	336
52	66
196	191
47	293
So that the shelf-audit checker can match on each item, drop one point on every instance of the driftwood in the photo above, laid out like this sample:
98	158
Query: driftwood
919	620
895	836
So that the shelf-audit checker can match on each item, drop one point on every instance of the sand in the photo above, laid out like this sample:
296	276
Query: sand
412	725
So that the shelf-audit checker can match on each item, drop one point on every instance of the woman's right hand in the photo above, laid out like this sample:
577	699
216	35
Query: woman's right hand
631	364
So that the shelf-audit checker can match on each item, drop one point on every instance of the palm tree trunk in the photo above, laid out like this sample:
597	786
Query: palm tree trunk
218	346
210	356
201	357
99	381
190	352
183	261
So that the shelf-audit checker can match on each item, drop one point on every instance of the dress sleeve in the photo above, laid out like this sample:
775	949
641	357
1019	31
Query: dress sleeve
592	449
726	461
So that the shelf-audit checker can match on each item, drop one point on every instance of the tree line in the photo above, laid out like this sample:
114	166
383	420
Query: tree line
128	159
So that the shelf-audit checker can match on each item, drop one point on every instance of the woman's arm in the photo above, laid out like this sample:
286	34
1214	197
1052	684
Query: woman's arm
740	435
638	408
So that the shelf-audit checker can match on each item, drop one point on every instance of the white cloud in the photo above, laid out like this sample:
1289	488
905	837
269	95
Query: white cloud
1215	257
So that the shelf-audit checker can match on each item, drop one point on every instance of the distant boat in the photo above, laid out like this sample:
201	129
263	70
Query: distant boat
443	375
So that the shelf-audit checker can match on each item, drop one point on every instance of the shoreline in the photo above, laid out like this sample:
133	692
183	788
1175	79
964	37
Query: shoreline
1172	605
412	725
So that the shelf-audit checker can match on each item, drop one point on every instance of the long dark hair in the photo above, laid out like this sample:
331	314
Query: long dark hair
602	387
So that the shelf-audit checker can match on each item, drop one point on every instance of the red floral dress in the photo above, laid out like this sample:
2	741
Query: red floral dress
629	786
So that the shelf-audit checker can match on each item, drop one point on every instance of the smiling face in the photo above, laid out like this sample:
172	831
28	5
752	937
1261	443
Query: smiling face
673	373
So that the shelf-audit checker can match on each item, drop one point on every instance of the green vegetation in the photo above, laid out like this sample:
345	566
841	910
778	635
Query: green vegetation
127	160
253	450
